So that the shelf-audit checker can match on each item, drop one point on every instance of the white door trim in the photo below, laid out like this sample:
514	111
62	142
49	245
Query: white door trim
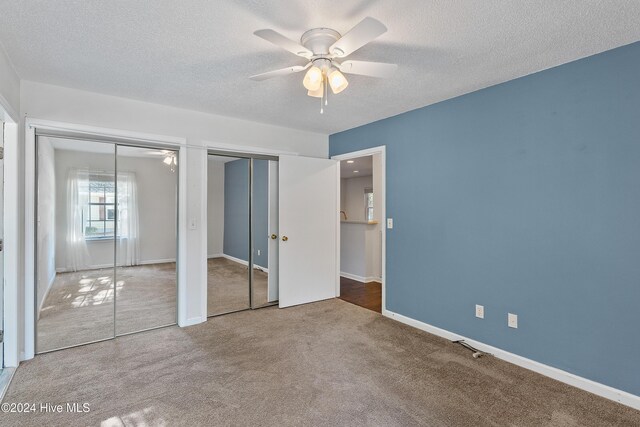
29	232
382	150
11	240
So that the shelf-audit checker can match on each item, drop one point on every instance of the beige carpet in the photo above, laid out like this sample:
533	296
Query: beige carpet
323	364
80	306
228	287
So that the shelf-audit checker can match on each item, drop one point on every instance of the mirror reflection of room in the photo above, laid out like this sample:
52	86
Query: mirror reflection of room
361	231
239	191
146	250
264	227
75	286
227	235
88	221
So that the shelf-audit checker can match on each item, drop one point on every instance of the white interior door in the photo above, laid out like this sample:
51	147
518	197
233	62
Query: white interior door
308	214
272	283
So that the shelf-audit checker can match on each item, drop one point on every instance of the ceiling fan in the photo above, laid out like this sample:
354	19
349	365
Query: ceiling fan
324	49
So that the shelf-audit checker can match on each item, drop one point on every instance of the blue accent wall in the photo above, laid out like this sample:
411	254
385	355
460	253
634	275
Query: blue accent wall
523	197
236	210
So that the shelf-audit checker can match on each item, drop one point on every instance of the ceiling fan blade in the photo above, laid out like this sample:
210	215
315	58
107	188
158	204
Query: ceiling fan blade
283	42
280	72
366	68
367	30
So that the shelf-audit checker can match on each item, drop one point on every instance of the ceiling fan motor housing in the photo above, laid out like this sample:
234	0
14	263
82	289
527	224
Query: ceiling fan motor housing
319	40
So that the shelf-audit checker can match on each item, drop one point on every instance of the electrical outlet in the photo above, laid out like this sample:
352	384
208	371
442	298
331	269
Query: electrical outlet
258	251
389	223
512	320
480	311
192	224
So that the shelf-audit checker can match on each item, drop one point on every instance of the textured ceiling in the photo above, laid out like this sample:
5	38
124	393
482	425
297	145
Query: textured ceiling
198	54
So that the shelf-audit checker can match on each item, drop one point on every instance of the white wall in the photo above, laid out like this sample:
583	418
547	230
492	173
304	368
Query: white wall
12	298
215	207
9	87
48	102
354	201
157	198
47	191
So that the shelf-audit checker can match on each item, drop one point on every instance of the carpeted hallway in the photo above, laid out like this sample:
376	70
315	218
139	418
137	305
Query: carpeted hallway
326	363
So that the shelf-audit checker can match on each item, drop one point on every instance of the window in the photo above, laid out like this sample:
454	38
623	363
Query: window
100	215
368	204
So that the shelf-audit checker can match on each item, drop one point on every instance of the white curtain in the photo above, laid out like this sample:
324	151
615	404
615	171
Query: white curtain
77	202
128	243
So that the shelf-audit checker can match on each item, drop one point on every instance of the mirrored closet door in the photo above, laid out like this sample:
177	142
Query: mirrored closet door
239	233
227	235
75	215
106	240
264	232
146	248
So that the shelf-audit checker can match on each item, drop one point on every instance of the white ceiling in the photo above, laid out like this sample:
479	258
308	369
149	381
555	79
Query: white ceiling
198	54
364	166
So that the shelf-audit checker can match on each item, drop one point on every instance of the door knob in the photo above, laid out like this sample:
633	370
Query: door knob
285	238
273	236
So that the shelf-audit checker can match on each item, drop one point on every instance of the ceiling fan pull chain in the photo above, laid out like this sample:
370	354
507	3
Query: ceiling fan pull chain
326	90
321	109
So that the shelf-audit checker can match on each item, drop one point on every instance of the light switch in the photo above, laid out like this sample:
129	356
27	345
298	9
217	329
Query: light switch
192	224
389	223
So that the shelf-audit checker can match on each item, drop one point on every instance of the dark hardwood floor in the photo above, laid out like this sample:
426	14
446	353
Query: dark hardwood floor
367	295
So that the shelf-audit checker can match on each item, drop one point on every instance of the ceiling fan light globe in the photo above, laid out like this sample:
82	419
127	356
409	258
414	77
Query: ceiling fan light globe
313	79
337	81
168	160
318	93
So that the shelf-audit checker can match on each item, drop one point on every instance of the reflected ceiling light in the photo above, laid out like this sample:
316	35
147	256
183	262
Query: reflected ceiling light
349	161
356	171
171	161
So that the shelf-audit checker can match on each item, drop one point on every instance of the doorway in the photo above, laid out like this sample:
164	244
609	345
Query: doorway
106	240
362	228
242	232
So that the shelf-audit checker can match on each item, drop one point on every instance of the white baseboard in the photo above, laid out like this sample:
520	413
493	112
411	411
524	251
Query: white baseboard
215	256
192	321
6	375
46	293
599	389
360	278
155	261
101	266
243	262
234	259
